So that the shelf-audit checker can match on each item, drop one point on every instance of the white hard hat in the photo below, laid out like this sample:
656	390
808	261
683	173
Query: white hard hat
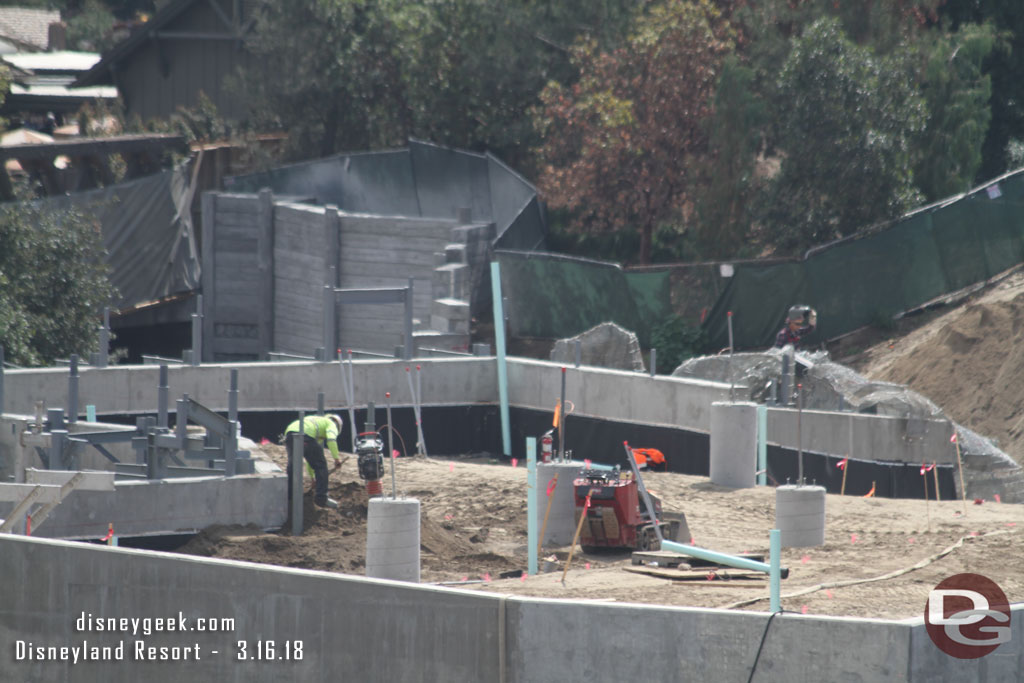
337	420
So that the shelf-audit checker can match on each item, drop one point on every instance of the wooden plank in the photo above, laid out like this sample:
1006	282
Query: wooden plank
390	257
265	270
385	243
239	312
386	225
236	345
208	204
236	203
730	577
230	220
236	259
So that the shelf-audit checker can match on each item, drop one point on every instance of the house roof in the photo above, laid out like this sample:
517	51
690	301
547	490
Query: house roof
65	61
101	72
30	27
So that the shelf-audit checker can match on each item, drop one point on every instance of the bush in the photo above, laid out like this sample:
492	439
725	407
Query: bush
676	341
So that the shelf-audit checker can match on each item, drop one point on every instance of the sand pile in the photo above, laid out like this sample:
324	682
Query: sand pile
969	361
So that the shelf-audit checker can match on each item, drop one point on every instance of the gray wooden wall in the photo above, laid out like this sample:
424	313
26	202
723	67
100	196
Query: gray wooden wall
378	251
263	279
236	241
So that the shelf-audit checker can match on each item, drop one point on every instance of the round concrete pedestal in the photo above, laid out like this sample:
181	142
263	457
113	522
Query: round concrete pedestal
800	515
393	539
733	444
562	518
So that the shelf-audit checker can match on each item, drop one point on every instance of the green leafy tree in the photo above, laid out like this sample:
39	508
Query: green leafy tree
723	216
350	74
624	144
957	94
1004	65
53	283
845	139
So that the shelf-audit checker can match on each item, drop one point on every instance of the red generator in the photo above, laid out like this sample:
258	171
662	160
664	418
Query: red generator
617	518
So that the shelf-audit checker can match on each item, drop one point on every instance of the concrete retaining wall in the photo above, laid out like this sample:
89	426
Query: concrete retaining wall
594	392
362	629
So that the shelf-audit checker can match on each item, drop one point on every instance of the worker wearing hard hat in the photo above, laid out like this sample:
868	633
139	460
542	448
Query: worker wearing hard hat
318	430
800	321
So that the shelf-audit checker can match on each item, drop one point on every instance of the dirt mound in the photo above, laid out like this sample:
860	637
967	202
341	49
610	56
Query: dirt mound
970	361
474	530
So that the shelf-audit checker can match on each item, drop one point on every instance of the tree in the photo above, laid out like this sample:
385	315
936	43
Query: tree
723	215
957	95
623	143
845	139
1005	66
53	283
351	74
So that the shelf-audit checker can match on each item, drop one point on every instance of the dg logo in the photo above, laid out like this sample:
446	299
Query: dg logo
967	616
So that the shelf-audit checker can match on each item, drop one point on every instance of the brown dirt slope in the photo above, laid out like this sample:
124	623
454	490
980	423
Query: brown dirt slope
969	361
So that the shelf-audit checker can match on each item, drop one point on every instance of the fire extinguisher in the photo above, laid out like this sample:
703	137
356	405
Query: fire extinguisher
546	445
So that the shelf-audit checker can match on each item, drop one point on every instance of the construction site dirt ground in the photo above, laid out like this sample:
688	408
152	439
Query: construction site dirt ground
968	358
473	529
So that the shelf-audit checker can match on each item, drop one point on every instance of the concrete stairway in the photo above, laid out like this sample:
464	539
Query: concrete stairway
456	285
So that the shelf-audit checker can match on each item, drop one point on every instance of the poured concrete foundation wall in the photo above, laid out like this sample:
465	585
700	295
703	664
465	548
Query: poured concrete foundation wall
600	393
169	506
875	437
361	629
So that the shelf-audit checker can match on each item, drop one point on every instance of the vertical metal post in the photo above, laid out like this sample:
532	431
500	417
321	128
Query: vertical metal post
578	346
319	403
162	396
58	439
329	341
231	450
654	362
774	574
561	422
55	416
785	389
419	410
73	390
371	417
732	381
295	467
499	341
233	396
391	446
197	339
800	434
103	354
531	505
762	445
407	322
351	398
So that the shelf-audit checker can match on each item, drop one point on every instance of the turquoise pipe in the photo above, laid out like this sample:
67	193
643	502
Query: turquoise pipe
775	556
531	505
499	344
721	558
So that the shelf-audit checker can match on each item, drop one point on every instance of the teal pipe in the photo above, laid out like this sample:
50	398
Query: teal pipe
721	558
499	344
775	552
531	505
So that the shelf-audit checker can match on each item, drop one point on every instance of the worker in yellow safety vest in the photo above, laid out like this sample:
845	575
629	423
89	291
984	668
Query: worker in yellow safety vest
318	430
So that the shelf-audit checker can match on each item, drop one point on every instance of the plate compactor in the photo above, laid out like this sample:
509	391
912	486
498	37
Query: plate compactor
617	517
